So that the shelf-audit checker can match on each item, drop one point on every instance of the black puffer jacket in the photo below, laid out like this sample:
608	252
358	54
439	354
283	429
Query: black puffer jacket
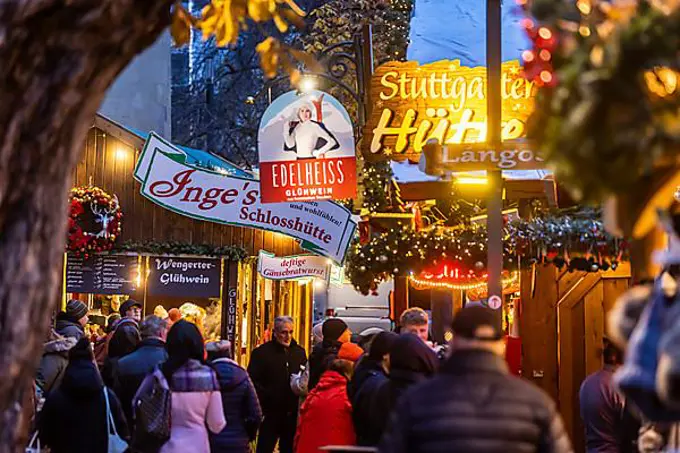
411	362
73	419
367	379
241	408
270	367
474	405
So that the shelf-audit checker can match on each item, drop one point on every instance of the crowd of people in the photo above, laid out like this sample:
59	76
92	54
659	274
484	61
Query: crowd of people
396	394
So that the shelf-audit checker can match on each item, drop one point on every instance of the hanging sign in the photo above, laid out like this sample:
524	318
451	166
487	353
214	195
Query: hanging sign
171	276
292	267
102	274
324	228
306	147
446	102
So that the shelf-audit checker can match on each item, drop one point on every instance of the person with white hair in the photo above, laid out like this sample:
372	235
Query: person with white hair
308	138
270	368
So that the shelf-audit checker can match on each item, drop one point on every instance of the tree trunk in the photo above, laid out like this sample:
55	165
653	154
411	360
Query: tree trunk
58	58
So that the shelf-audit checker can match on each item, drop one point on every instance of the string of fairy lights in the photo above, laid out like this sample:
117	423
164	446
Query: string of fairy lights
422	283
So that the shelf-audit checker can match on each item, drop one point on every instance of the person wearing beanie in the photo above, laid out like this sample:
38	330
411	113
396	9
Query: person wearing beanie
350	352
73	419
125	338
474	403
326	414
72	321
335	332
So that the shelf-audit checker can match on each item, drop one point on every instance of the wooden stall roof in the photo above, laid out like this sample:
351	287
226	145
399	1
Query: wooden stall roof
108	159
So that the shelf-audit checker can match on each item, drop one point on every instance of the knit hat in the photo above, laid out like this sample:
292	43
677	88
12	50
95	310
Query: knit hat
471	318
382	344
128	304
350	352
75	309
333	329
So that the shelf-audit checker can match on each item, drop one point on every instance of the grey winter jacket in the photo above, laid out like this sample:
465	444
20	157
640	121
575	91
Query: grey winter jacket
53	363
475	405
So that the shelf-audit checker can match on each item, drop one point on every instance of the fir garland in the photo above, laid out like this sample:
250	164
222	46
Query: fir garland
230	252
577	240
611	118
400	252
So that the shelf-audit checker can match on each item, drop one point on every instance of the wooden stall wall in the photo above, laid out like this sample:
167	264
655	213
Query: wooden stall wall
108	161
563	325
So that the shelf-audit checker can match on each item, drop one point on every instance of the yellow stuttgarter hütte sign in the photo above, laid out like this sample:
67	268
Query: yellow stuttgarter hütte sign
443	101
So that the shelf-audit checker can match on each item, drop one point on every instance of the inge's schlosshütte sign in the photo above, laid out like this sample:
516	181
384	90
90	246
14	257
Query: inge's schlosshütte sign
324	228
446	102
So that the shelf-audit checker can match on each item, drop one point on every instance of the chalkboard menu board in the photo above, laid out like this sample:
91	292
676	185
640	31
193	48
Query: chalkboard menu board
102	274
184	277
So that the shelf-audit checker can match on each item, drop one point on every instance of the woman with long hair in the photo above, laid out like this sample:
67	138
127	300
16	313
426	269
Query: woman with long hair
196	398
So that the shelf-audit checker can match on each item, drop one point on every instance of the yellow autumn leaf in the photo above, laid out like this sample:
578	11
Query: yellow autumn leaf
269	56
261	10
180	28
292	5
281	24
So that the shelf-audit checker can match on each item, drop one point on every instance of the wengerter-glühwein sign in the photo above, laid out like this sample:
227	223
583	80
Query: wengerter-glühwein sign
306	148
292	267
324	228
446	102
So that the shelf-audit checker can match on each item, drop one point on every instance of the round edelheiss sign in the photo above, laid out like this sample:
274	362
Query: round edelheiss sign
307	150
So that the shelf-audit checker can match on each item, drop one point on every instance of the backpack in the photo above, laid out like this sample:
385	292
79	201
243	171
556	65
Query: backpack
152	409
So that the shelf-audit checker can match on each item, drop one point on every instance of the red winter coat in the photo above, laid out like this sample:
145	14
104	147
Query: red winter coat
325	416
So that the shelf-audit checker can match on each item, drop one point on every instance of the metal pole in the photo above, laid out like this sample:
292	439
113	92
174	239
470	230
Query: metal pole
495	198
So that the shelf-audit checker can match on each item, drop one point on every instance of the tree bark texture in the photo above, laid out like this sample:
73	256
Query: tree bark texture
57	58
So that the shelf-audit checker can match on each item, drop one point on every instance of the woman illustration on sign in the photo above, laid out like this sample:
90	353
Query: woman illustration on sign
309	139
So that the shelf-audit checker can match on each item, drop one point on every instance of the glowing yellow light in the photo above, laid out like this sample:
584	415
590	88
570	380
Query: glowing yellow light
424	284
121	154
584	6
471	180
584	30
544	33
307	85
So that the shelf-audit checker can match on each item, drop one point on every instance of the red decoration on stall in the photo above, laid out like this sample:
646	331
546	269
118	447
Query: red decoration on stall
538	65
94	221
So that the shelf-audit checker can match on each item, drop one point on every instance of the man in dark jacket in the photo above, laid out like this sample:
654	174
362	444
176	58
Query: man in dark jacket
239	400
125	338
610	426
131	370
270	368
335	332
73	419
370	373
71	323
411	362
474	404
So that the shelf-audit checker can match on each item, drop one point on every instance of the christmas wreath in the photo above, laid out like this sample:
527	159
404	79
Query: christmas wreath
93	222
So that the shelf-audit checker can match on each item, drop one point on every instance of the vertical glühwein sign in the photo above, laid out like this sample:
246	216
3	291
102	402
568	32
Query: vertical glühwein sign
446	102
306	149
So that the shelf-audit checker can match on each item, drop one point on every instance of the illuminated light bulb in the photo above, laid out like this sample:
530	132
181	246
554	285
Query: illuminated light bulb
584	31
544	33
528	56
546	77
584	6
528	23
545	55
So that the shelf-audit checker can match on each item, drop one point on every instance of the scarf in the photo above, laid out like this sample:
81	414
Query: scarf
193	376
